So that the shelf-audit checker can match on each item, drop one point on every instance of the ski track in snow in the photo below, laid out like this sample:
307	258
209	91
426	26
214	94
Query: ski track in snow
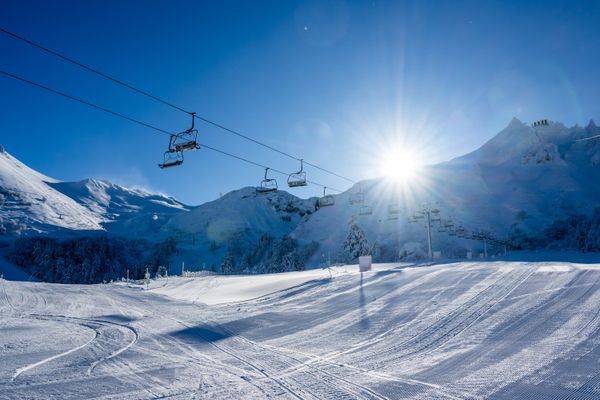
456	331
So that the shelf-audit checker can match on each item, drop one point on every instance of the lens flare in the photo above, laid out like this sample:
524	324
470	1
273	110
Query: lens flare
399	165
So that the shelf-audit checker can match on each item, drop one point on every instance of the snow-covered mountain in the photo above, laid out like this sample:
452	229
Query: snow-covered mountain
123	211
33	202
525	176
28	201
523	179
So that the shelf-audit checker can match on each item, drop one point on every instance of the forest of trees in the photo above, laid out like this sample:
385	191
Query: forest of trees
89	259
268	255
578	232
101	259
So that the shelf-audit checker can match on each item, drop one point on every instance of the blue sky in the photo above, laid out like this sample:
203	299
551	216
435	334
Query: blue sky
338	83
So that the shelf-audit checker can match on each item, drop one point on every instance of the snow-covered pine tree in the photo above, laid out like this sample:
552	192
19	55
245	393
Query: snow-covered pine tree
228	264
356	243
292	262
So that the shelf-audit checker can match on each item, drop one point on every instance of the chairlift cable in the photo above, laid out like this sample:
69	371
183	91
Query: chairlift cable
165	102
159	130
79	64
87	103
202	145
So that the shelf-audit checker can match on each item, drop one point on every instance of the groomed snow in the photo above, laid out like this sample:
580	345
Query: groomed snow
217	289
478	330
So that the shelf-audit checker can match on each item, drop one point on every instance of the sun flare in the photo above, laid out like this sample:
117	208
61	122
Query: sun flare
399	165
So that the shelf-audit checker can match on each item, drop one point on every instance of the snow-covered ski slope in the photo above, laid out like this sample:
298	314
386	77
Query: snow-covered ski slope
493	330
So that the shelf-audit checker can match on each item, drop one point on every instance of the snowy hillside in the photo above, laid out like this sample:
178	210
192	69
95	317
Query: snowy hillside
238	218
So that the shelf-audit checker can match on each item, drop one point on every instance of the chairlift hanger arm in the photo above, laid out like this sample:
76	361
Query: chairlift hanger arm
193	120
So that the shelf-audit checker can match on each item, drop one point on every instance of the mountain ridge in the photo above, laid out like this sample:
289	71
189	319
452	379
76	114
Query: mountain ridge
522	179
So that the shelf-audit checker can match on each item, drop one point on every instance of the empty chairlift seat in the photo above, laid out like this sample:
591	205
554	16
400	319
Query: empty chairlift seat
297	179
267	185
171	159
365	210
178	143
357	197
186	140
327	200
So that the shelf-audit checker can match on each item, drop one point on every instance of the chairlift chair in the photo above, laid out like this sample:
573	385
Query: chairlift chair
394	209
171	159
186	140
358	197
327	199
365	210
267	185
441	229
297	179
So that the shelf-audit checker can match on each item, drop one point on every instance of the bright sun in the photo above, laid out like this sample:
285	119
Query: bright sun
399	165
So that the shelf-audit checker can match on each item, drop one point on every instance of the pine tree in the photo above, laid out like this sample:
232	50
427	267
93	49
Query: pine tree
356	243
228	264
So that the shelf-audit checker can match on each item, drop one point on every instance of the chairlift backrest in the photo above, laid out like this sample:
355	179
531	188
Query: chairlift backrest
297	178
